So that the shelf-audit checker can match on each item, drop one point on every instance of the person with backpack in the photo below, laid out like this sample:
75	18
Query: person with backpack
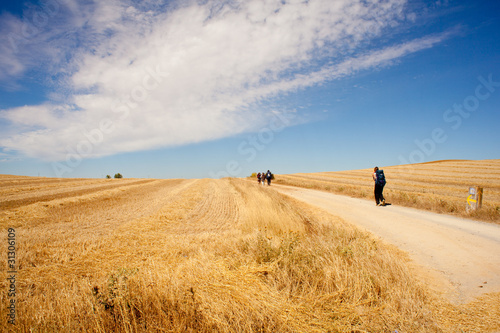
258	178
268	177
379	178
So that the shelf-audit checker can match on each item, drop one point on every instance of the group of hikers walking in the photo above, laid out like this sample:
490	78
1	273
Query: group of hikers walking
378	177
262	177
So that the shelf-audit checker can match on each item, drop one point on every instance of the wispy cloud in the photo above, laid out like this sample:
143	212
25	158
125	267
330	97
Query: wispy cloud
150	77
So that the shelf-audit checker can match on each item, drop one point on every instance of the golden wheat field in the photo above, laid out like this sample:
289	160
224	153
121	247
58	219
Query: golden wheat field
440	186
143	255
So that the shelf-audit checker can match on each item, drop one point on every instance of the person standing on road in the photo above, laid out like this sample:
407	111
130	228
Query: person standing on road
268	177
379	178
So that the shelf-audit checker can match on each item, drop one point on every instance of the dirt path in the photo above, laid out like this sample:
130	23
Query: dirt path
458	257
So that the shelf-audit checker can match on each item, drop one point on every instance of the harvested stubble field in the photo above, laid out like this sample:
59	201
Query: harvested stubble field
440	186
206	256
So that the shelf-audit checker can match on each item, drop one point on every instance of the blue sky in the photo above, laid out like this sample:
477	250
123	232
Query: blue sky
195	89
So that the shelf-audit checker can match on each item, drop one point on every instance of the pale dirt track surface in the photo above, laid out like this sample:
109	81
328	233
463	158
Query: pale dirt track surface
455	256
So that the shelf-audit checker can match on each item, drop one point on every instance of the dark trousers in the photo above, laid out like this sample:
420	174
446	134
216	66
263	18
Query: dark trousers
378	193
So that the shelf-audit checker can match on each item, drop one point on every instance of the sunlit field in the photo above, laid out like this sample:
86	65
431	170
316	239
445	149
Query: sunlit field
130	255
440	186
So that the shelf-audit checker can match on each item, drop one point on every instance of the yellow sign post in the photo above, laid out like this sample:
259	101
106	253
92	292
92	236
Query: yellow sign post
475	198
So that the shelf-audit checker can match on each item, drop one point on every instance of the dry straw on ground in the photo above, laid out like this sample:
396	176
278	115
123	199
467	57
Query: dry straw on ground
209	256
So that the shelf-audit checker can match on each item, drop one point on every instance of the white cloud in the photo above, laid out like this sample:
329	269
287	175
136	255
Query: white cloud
190	73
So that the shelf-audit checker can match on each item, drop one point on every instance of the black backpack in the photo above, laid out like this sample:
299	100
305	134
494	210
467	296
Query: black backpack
380	177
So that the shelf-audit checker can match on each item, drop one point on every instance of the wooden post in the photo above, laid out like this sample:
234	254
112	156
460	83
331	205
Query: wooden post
475	198
479	197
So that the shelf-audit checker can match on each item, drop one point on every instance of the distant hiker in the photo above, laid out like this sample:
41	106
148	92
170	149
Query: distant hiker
269	175
258	178
379	178
263	179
